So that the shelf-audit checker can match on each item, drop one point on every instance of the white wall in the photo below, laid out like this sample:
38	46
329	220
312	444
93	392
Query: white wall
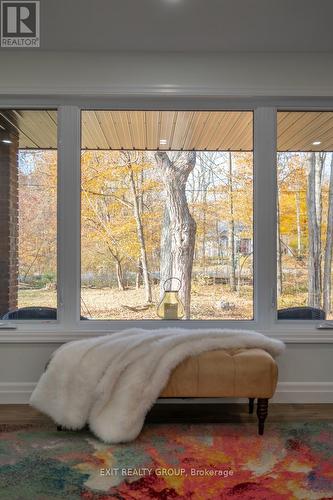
306	370
91	73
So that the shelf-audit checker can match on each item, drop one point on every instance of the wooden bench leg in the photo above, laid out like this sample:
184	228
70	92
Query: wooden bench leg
251	405
262	410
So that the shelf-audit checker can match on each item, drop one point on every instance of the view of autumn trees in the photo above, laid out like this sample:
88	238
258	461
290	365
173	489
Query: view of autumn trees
147	216
305	229
37	227
150	216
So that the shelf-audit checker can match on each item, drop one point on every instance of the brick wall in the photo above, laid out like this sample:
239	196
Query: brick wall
8	221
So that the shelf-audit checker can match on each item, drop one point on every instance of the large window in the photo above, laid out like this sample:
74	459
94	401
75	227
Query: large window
305	215
28	214
221	216
166	202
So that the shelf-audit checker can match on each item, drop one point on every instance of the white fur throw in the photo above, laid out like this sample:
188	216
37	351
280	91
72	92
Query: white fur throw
112	381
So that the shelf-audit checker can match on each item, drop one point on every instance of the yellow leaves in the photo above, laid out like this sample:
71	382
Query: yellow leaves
292	183
37	211
288	211
107	202
151	185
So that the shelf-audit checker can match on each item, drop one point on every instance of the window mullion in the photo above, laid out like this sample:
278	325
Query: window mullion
69	145
265	217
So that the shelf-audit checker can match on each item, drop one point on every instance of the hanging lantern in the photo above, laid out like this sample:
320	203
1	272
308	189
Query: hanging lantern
171	307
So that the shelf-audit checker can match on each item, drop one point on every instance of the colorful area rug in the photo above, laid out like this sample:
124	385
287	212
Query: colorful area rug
200	462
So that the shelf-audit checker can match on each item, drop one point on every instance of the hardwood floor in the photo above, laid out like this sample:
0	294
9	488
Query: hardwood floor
191	412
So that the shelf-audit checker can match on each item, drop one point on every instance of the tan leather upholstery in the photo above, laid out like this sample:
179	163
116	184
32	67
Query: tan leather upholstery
250	373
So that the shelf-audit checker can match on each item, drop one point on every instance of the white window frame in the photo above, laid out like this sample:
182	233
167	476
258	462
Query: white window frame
68	325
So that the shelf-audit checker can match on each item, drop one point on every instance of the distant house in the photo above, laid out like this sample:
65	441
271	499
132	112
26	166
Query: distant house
214	249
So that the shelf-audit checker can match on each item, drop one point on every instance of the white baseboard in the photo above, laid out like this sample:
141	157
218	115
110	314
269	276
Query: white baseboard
304	392
287	392
16	392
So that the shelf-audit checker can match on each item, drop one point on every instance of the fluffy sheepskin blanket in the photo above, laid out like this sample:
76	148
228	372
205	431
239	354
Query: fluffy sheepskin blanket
112	381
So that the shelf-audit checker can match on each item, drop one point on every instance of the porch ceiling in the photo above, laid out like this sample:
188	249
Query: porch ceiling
187	130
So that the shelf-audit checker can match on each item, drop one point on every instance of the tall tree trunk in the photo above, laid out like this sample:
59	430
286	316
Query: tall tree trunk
298	224
279	252
327	279
166	264
204	230
314	240
141	238
218	243
231	229
119	273
119	270
178	234
138	279
203	191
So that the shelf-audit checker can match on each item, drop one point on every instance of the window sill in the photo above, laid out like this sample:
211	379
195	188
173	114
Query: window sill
57	336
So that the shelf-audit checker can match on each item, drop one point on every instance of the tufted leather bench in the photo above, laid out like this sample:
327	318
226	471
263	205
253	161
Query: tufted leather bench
239	373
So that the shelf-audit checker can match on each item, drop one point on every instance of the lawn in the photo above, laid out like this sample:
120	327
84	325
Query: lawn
208	302
110	303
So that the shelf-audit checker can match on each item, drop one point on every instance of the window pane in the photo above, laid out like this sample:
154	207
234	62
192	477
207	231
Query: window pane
28	214
305	215
167	204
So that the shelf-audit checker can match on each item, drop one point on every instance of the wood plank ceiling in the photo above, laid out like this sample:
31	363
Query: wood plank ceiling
172	130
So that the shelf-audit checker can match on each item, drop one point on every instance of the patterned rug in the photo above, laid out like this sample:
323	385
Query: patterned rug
200	462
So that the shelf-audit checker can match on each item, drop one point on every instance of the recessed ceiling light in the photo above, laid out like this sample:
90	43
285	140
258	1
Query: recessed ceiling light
6	141
316	143
163	141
